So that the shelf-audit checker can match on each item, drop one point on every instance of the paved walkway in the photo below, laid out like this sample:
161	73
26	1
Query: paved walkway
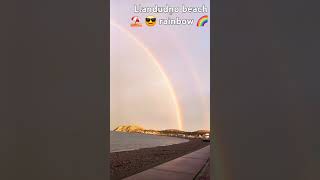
182	168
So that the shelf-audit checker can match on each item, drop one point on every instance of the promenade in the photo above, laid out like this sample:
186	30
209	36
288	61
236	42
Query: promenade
182	168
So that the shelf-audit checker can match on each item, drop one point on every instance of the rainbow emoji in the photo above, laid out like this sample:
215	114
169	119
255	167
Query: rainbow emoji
202	21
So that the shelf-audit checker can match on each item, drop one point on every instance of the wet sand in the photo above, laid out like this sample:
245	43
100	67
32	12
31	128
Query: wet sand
127	163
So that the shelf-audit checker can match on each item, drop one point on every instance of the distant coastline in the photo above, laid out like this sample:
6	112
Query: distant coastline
123	141
167	132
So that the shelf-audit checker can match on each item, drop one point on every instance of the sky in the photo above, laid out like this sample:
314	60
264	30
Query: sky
160	75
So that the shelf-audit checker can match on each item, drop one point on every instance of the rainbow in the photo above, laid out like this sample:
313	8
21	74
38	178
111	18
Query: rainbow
160	68
195	76
202	21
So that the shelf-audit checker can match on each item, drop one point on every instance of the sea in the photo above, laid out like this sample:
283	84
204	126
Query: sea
120	141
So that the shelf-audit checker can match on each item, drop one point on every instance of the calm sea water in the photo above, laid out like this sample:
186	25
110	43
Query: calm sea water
130	141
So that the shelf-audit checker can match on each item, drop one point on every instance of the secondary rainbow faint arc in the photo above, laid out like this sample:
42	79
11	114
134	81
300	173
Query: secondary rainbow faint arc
158	65
195	76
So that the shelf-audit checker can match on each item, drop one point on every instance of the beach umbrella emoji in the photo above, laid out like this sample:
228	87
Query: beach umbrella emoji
136	21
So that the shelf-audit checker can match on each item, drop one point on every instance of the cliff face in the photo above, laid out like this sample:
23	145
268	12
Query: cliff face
130	128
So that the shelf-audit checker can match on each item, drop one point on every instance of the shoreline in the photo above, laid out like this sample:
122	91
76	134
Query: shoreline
127	163
160	135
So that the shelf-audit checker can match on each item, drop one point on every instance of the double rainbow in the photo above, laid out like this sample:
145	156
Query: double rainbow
202	21
161	70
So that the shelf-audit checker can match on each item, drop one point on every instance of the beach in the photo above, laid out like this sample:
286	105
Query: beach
127	163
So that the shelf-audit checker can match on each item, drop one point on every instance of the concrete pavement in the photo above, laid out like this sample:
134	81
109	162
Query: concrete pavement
182	168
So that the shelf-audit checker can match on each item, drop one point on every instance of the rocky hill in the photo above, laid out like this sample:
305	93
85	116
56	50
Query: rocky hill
130	128
139	129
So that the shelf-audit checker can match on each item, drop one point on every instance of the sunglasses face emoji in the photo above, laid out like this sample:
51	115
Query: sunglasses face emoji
150	21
